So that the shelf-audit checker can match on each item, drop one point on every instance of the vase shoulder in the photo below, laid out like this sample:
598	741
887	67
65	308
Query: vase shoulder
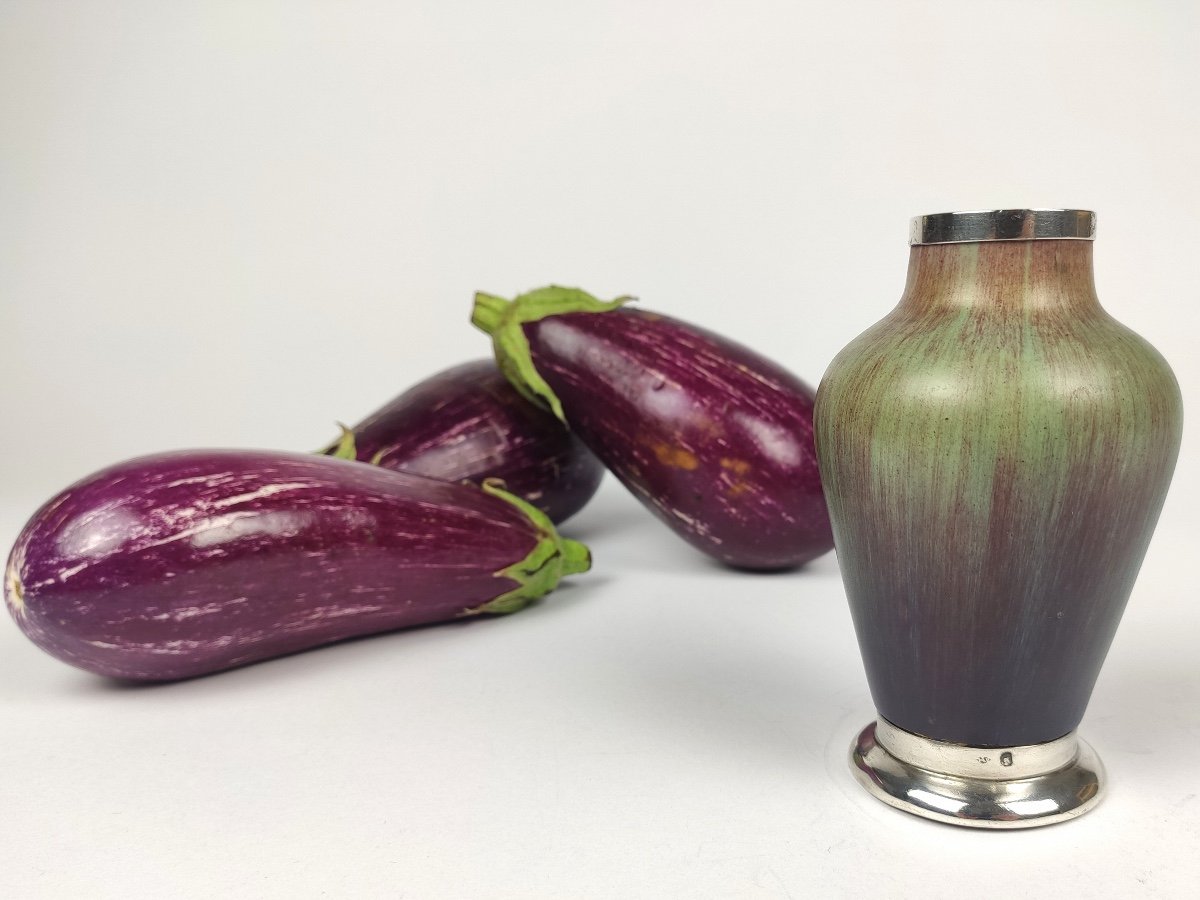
1018	371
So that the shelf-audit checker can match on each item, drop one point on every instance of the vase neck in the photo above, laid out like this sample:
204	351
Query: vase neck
1010	275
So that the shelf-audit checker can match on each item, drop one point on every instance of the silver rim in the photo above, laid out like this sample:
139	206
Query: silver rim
1003	225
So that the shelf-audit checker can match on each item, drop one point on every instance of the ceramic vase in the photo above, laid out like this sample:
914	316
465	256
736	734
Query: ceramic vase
995	453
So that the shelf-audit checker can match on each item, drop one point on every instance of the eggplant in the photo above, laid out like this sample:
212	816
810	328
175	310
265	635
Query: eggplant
713	438
467	424
186	563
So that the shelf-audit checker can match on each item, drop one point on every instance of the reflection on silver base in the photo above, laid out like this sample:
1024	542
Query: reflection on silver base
994	787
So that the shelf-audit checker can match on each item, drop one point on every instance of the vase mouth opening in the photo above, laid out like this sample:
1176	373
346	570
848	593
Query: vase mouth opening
1003	225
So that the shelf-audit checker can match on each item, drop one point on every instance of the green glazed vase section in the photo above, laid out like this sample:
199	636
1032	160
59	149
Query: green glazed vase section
995	454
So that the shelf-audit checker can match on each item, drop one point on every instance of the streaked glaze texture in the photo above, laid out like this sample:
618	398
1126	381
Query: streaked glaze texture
467	424
186	563
995	453
713	438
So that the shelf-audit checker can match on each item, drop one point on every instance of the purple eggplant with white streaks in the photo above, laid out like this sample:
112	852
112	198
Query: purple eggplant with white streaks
468	424
186	563
713	438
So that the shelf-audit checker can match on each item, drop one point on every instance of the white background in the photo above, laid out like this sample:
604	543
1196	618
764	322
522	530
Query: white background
232	223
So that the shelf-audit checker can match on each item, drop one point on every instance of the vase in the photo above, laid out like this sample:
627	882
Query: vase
995	453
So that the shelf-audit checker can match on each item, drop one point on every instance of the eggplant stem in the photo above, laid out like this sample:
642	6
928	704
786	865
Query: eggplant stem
488	313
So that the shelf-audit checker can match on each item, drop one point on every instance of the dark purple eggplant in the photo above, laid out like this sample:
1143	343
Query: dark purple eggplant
714	439
186	563
467	424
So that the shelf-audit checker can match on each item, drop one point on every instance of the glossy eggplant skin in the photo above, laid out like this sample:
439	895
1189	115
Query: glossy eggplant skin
714	439
187	563
467	424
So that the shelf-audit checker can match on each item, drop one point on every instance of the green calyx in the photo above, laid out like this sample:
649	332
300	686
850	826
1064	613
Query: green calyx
502	319
344	447
538	573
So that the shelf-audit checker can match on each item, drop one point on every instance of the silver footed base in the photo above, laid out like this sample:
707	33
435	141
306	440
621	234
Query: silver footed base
993	787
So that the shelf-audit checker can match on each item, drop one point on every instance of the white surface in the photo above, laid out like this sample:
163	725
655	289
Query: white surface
660	728
232	223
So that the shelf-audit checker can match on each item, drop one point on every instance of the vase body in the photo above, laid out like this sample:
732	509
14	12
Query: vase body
995	453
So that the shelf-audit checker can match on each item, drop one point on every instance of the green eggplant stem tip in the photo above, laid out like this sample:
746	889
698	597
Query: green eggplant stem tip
344	447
